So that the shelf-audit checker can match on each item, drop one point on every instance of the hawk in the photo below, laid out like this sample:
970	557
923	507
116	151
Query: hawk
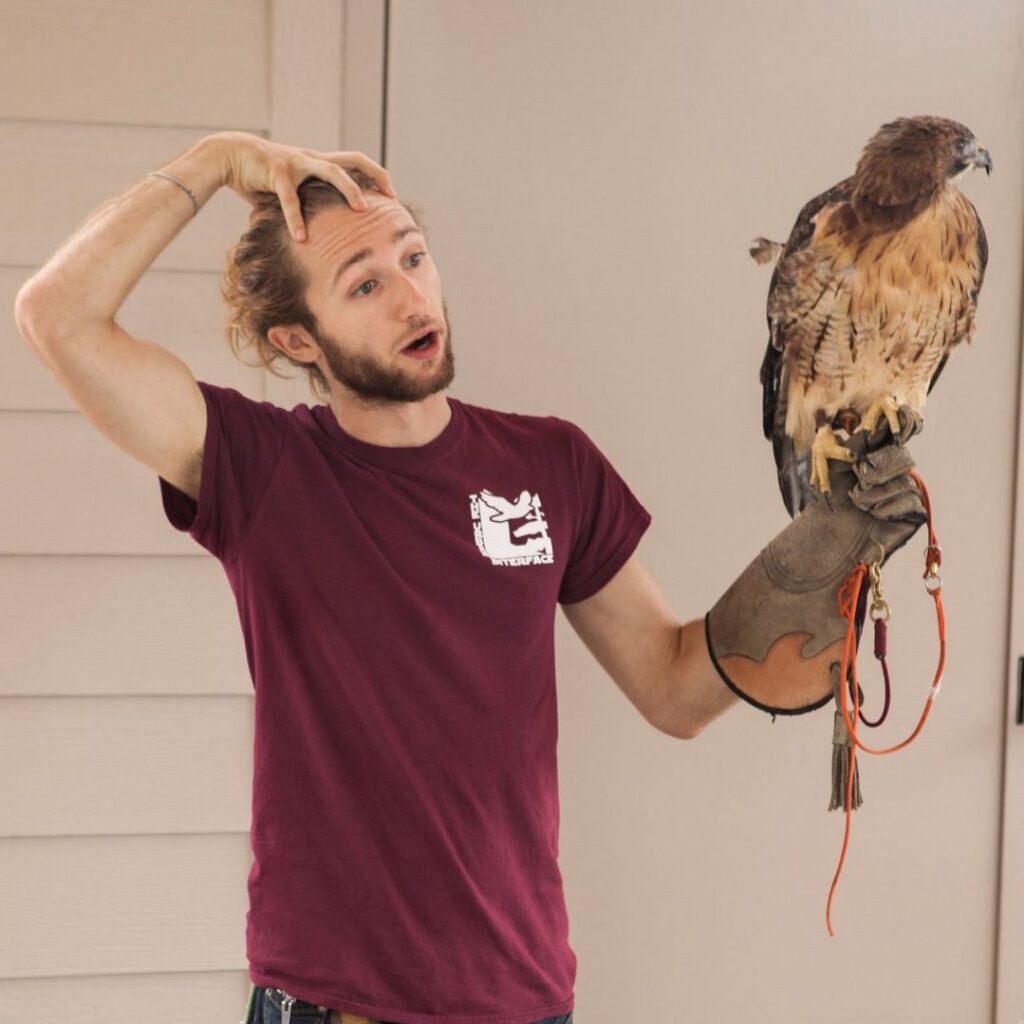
876	285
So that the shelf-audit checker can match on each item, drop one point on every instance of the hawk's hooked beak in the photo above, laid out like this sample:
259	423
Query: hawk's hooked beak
982	158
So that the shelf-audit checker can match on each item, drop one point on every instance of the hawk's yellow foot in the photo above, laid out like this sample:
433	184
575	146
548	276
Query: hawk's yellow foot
826	446
886	405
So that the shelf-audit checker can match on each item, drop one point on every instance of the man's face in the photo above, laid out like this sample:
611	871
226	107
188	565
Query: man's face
369	309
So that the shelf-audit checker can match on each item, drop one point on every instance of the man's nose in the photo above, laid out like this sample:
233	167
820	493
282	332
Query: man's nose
414	299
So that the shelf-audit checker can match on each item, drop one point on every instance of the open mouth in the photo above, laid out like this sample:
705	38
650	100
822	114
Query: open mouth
421	343
424	346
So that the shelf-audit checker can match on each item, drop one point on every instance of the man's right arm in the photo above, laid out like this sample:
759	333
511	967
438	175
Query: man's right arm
137	393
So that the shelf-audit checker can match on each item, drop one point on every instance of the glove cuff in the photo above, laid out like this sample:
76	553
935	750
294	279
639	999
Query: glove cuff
785	675
776	633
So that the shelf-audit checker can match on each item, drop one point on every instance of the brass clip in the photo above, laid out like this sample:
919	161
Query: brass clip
878	602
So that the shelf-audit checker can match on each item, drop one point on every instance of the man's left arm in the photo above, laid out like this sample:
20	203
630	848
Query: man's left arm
661	664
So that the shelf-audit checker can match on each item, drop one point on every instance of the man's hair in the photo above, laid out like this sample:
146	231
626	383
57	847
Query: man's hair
265	285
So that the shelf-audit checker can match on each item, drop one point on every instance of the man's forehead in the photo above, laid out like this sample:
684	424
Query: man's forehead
345	233
342	226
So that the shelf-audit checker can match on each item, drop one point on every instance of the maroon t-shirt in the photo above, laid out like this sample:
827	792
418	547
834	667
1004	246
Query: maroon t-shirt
397	607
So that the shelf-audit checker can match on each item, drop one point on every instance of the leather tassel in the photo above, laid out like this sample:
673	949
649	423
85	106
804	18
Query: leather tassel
841	744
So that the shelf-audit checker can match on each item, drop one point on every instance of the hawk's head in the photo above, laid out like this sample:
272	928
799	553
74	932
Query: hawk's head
908	160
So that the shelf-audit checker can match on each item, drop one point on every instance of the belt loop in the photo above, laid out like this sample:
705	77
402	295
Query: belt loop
286	1006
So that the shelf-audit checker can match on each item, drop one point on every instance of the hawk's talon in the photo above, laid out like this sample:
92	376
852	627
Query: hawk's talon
826	446
885	405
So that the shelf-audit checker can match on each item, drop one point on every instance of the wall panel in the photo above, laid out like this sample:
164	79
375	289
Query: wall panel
593	175
125	703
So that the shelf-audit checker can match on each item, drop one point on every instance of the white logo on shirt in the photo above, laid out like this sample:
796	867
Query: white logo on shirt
493	517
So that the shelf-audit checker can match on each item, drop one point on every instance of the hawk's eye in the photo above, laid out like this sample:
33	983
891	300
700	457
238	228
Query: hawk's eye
961	145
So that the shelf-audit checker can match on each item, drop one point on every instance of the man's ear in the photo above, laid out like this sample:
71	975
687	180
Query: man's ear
294	341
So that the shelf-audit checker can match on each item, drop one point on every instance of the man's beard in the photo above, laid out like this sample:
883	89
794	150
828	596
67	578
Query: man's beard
369	378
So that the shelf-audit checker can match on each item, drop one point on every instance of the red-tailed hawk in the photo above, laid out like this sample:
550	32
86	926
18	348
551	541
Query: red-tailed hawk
877	283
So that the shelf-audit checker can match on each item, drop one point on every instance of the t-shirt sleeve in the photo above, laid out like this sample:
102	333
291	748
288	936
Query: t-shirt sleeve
243	442
610	522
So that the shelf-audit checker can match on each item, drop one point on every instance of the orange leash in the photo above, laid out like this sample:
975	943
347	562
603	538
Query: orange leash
849	595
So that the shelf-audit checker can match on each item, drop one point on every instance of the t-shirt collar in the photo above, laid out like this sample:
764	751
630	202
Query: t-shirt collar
384	455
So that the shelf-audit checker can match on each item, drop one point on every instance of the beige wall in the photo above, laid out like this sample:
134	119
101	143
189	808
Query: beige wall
592	174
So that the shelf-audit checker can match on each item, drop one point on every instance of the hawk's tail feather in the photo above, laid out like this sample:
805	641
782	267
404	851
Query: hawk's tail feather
794	472
763	250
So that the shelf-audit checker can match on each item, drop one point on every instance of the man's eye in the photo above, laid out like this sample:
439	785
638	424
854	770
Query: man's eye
359	290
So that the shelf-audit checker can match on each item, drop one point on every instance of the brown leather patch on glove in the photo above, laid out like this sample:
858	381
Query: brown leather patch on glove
785	682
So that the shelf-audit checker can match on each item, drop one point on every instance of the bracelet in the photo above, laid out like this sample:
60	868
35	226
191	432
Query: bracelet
181	185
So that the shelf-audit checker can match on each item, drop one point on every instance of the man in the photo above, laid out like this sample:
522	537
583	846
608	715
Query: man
397	556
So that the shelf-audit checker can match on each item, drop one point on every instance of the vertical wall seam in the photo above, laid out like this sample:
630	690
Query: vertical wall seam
1008	667
384	86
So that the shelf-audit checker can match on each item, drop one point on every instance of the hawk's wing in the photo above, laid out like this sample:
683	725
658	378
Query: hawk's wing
971	298
793	472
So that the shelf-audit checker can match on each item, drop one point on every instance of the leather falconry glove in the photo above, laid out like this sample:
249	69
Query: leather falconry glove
776	636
